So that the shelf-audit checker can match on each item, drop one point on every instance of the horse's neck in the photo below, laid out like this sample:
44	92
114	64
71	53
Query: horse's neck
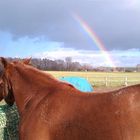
27	83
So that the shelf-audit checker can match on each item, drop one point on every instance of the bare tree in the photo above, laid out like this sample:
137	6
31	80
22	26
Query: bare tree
68	61
138	67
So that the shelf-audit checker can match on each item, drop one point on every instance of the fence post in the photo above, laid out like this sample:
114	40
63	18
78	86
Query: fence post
106	84
126	81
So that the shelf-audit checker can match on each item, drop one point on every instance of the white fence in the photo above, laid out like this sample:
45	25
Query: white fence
113	80
104	79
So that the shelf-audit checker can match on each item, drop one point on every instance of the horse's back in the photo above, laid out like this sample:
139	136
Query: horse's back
114	115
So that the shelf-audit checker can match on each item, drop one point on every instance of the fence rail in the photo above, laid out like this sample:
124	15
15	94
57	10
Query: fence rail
103	78
113	80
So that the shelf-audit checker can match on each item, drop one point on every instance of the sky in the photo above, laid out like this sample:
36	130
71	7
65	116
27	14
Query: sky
98	32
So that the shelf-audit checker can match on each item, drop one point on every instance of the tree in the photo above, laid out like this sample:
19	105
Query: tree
138	67
68	61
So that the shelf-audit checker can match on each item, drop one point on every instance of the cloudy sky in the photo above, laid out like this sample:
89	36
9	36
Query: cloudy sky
48	28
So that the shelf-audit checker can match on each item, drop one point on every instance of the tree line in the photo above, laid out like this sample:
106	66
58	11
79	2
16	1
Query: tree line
57	65
69	65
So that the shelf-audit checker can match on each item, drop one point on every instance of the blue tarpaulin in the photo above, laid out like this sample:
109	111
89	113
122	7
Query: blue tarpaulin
80	83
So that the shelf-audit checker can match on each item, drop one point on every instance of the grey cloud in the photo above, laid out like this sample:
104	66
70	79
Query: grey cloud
118	28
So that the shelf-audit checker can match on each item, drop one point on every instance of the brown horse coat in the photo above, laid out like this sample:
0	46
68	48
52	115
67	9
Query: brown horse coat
54	110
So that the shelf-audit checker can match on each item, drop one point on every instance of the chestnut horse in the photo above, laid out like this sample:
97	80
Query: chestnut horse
53	110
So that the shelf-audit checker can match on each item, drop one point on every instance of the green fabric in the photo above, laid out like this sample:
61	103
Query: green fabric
9	119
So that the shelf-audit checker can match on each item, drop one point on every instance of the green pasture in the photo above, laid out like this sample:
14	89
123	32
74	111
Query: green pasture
103	78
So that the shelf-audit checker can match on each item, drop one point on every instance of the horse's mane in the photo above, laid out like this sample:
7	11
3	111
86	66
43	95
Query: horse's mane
32	70
42	75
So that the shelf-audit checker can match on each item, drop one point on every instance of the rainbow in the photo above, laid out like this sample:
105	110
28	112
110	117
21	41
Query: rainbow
92	34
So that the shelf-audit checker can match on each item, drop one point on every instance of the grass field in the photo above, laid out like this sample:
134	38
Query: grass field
99	79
